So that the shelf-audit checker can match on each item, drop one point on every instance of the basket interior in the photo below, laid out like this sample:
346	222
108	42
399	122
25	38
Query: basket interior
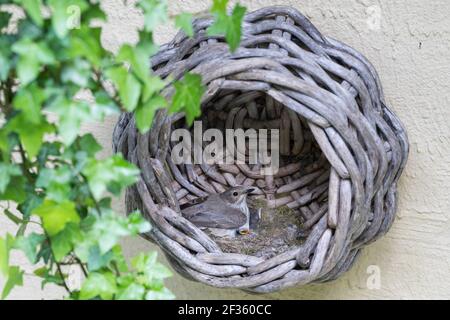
298	190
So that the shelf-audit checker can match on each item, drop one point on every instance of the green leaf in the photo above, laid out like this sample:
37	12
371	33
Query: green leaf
63	242
63	13
155	13
5	62
89	144
128	87
101	285
78	72
55	215
188	95
31	135
32	55
27	69
152	85
184	22
48	277
230	26
144	113
138	58
5	247
71	116
162	294
31	202
234	31
113	174
16	190
40	272
7	171
15	278
4	19
99	245
29	245
56	182
29	101
133	291
85	43
110	227
33	9
219	6
150	268
96	260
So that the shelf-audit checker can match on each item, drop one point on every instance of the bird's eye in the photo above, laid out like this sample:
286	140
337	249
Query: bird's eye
235	194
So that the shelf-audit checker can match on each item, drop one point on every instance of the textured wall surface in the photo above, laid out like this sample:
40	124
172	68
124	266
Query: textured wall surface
408	41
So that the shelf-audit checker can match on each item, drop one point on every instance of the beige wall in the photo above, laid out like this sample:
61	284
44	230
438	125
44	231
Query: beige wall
411	51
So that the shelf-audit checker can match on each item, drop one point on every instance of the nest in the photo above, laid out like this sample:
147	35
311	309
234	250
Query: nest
342	151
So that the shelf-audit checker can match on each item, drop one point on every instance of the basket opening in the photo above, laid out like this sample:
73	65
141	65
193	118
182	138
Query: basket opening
291	201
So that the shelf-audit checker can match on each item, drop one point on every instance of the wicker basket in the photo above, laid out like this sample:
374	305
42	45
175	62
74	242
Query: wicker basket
343	150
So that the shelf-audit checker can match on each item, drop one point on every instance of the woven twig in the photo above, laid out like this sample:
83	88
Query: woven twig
328	102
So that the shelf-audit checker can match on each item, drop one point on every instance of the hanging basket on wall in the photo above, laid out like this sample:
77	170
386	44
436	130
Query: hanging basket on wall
342	150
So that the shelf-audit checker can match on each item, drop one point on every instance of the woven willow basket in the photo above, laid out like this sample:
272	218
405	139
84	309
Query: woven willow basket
343	150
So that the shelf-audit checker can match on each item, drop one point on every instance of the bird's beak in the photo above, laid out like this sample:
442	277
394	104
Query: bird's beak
244	232
250	190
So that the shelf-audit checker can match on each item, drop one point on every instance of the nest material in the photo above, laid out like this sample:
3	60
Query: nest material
342	149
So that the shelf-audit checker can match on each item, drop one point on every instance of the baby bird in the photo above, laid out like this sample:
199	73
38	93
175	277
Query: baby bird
225	214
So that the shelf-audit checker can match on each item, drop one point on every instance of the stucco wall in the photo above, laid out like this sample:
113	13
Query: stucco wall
410	47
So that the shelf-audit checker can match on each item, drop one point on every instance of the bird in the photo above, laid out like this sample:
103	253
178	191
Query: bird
225	215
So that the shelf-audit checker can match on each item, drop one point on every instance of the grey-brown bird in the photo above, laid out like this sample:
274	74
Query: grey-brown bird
225	214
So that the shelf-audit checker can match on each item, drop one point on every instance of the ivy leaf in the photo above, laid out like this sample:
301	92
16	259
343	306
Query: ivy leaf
133	291
138	59
85	43
55	215
31	135
113	174
48	277
230	26
29	245
161	294
101	285
5	247
31	202
188	95
63	242
144	113
5	62
62	15
4	19
148	265
96	260
152	85
33	9
27	69
78	72
155	13
7	171
15	278
71	116
15	191
29	101
128	87
31	56
110	227
184	22
89	145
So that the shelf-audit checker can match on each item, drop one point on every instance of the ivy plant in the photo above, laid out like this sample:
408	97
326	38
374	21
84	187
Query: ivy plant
54	76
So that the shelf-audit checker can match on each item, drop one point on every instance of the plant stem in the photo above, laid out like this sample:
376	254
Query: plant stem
83	269
58	266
